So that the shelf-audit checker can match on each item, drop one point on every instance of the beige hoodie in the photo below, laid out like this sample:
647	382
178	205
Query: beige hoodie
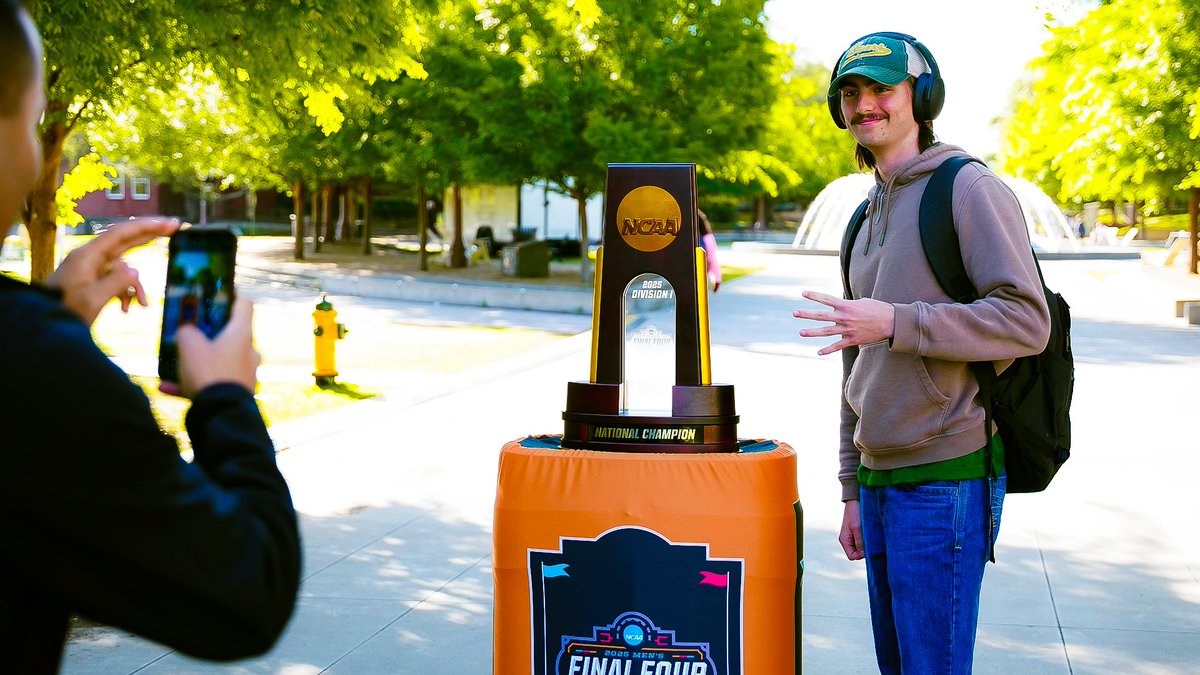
911	400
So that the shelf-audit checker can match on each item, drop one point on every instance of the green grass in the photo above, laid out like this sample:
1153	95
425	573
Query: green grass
277	401
731	272
1177	221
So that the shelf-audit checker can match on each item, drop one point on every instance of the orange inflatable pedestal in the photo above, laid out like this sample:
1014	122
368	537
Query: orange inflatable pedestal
645	563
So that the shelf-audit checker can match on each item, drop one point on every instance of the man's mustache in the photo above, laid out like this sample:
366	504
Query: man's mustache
859	119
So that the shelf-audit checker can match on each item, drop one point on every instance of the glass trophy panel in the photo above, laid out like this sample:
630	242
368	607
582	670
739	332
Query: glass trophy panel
649	356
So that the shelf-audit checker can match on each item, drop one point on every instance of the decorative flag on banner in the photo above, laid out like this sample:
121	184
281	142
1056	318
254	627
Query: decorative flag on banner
551	571
714	579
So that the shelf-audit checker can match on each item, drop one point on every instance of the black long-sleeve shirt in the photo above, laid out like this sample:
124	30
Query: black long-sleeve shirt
99	514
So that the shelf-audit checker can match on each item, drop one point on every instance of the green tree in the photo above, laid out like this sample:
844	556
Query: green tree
188	137
655	81
802	150
1101	117
100	55
802	134
462	123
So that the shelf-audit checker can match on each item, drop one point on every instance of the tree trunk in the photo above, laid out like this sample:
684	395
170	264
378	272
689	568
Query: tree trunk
339	231
422	227
42	217
327	212
585	267
315	208
458	253
366	228
251	205
1193	208
517	227
298	220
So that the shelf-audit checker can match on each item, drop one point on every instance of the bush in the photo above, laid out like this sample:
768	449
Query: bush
564	248
1178	221
394	208
720	209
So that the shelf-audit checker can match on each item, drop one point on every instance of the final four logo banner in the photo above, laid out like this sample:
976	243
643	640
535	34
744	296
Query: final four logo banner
682	615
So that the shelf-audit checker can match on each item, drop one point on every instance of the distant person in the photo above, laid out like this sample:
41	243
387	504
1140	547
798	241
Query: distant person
99	513
1077	225
708	241
923	481
433	207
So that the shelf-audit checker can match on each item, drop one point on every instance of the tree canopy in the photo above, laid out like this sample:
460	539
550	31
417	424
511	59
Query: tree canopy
607	82
104	58
427	93
1110	111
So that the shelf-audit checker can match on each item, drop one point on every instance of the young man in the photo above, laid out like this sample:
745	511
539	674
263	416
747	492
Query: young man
913	469
99	513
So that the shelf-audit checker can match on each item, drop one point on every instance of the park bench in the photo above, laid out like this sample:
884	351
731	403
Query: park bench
1188	309
1177	242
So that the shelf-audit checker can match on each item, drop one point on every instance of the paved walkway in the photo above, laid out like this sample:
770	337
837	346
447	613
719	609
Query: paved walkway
1101	574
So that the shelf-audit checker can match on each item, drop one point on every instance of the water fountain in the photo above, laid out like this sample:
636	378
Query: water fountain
825	220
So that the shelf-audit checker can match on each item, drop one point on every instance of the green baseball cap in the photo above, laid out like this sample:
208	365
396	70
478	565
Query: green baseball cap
884	59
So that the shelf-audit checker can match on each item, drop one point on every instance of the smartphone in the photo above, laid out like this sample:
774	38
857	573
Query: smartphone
199	291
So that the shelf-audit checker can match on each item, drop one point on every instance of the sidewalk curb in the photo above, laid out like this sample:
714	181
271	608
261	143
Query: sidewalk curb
1093	253
413	289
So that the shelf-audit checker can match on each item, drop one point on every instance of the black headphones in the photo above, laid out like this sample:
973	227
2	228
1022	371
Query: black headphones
929	92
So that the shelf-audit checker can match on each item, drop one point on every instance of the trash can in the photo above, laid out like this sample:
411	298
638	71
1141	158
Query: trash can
526	259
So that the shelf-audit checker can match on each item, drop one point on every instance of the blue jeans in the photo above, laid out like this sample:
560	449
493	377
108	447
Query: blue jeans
926	546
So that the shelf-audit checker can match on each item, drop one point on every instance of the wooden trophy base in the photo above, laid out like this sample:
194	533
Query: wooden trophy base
702	419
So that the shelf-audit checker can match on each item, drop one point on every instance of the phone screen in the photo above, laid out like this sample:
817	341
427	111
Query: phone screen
200	264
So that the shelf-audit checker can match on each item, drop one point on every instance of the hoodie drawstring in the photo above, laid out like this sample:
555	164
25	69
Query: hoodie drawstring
876	214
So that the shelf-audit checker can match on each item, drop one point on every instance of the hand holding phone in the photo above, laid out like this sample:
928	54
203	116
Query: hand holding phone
199	290
228	358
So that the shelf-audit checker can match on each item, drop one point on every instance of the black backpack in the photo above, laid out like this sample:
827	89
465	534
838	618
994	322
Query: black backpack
1031	400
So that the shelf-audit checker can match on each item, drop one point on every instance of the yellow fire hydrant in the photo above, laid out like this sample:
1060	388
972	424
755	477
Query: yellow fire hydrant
327	332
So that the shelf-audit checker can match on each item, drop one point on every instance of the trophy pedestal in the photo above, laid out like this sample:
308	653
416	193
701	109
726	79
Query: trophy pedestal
628	558
702	419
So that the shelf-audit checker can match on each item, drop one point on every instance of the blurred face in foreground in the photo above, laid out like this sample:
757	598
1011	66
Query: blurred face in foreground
20	148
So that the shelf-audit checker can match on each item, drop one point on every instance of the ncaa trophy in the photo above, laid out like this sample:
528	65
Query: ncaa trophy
650	388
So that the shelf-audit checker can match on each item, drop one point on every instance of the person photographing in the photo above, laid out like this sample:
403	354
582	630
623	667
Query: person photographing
101	516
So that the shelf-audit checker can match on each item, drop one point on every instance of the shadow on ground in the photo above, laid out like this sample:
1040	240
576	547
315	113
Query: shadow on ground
395	589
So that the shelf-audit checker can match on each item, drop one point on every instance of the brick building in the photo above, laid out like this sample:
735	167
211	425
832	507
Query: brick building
131	196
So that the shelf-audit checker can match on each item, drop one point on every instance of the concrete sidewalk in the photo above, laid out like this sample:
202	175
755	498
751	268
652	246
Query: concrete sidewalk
391	273
1100	574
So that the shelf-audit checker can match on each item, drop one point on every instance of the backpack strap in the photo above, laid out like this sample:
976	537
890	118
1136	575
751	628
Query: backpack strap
940	241
938	236
852	228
